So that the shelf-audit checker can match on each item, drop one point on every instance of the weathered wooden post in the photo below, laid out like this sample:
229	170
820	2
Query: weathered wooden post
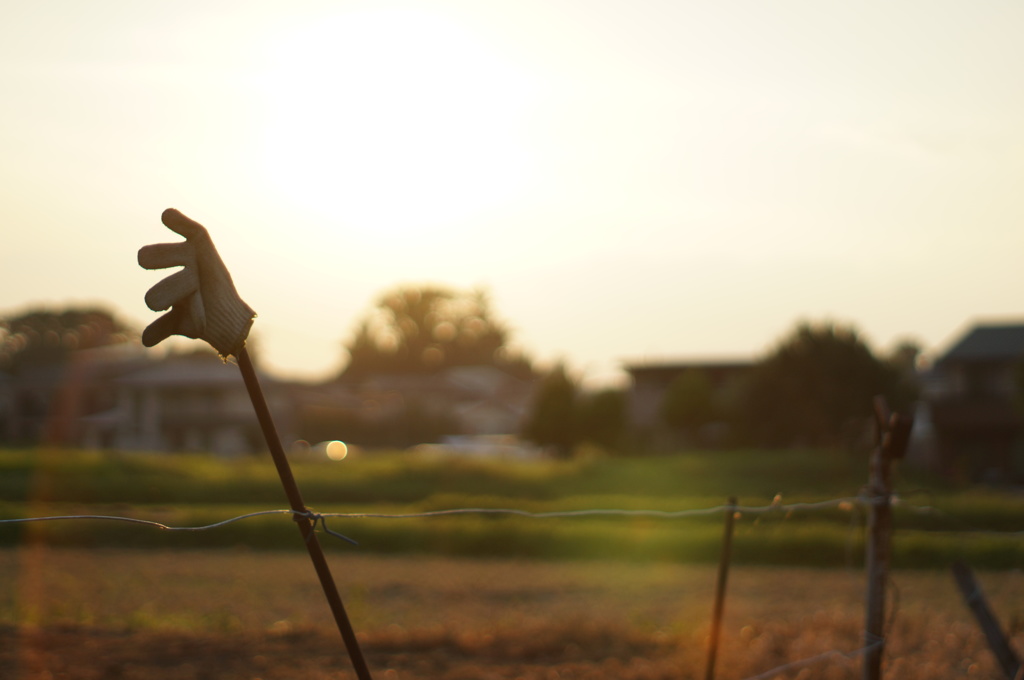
723	576
1008	660
892	434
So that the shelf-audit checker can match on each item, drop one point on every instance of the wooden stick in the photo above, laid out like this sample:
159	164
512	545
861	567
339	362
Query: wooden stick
723	577
997	642
879	545
291	489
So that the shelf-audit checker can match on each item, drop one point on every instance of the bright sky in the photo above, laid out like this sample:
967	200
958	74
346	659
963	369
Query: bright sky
629	180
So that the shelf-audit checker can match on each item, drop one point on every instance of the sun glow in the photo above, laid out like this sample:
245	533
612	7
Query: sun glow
335	450
393	120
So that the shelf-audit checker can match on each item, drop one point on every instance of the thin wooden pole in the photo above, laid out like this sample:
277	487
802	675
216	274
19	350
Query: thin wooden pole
291	490
723	577
997	642
879	543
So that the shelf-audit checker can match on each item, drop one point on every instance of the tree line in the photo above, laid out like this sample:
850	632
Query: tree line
41	337
814	388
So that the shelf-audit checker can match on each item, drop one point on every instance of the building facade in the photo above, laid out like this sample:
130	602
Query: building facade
972	407
651	382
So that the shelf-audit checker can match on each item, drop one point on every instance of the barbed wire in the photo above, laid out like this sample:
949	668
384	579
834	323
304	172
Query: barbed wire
147	522
662	514
848	503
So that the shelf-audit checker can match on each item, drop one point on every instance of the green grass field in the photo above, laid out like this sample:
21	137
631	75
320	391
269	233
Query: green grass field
973	524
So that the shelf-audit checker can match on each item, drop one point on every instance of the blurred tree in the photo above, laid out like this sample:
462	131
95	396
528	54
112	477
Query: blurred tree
904	360
905	355
688	404
1018	385
39	337
552	420
601	419
429	328
817	389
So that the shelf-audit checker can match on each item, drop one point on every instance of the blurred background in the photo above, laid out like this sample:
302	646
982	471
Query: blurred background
585	187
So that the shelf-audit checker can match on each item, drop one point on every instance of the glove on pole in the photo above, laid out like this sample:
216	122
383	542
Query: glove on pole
203	301
204	305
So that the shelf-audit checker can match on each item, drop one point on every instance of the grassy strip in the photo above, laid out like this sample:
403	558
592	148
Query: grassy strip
96	477
198	490
759	540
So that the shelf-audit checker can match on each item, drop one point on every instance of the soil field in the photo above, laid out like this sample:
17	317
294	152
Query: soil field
234	614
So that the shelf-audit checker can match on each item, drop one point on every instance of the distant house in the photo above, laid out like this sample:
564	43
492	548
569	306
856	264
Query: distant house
125	398
122	397
190	402
47	403
973	406
474	400
650	383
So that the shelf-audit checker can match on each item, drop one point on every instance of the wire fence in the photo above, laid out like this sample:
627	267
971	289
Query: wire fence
847	503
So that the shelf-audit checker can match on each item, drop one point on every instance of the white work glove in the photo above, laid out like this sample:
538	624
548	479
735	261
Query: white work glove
202	297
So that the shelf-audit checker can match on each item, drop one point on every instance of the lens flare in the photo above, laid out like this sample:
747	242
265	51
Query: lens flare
336	450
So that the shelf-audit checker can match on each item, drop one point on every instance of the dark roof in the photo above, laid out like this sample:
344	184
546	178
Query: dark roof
680	366
988	343
197	370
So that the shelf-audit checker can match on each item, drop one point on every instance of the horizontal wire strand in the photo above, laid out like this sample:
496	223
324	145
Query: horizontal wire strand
147	522
663	514
843	503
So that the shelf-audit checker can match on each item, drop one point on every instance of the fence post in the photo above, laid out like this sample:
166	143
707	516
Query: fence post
892	434
997	642
723	576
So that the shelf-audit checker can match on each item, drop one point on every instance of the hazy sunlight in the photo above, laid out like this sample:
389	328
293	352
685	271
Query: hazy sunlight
393	120
630	181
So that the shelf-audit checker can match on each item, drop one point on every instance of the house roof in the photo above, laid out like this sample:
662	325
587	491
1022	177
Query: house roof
680	366
481	379
467	381
988	342
192	371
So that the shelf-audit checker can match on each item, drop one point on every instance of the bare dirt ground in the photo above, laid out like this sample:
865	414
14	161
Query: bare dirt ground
85	654
234	614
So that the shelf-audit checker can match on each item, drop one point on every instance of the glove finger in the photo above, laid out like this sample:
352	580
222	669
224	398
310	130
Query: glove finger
175	322
173	289
161	329
164	255
176	222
